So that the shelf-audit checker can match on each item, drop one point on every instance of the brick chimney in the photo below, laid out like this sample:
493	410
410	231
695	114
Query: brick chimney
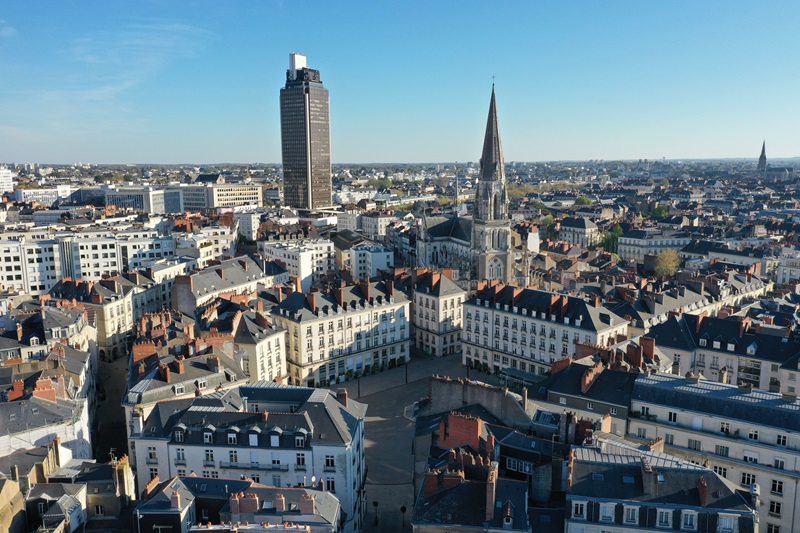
175	500
19	331
307	504
164	371
17	390
311	297
233	503
491	488
364	285
702	491
431	483
221	273
178	364
280	503
452	478
212	362
634	352
341	396
248	503
589	376
560	364
648	345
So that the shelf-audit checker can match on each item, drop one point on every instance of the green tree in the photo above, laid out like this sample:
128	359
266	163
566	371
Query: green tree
667	263
582	200
661	211
610	238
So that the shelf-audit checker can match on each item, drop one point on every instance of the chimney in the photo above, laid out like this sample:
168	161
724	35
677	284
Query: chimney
648	477
164	371
452	478
341	396
589	376
491	486
221	273
175	500
14	473
307	504
700	318
560	364
524	397
212	362
702	491
280	503
635	355
248	503
178	364
451	456
311	297
431	483
233	502
648	347
19	332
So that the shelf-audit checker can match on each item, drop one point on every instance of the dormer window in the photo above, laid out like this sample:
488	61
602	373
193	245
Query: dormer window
730	346
299	442
207	437
702	342
751	350
34	341
179	435
716	344
232	439
274	441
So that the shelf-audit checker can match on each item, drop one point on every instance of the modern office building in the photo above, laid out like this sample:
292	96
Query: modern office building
305	137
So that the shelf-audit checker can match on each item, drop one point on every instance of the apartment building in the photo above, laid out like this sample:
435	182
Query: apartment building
308	260
241	275
749	437
436	310
638	243
508	327
342	331
374	224
274	434
366	259
579	231
644	491
214	195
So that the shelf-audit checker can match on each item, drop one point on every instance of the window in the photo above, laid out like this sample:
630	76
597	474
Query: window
664	518
207	437
673	417
725	427
607	512
613	410
232	438
779	464
641	433
153	473
42	508
631	515
748	479
775	508
329	461
777	486
151	453
726	523
721	471
274	441
330	484
233	456
579	510
721	450
589	406
301	459
253	439
645	411
694	444
179	436
180	454
781	440
772	528
562	400
750	458
753	434
99	510
669	439
299	442
688	520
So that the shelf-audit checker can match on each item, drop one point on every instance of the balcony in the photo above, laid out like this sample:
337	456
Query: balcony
180	461
209	463
152	460
329	469
300	468
278	468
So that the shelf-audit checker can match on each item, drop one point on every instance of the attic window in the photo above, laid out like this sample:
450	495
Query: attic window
597	477
730	346
34	341
628	480
702	342
716	344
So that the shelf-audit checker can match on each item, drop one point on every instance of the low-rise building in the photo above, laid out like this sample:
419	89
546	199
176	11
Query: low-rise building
579	231
638	243
308	260
366	259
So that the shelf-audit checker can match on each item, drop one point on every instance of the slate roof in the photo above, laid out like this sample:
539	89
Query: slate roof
530	301
31	412
235	272
719	400
451	227
578	223
613	387
297	307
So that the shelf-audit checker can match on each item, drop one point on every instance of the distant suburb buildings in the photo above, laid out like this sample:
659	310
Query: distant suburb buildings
305	137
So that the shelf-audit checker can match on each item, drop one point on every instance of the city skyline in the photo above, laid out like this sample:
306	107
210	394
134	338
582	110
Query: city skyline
173	84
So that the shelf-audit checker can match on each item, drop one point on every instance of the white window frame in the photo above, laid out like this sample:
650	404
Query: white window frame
668	514
583	506
688	515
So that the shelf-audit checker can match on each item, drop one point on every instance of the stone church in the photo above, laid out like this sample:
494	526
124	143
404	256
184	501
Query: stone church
481	246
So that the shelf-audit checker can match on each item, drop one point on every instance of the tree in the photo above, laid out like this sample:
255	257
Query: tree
609	238
661	211
582	200
667	263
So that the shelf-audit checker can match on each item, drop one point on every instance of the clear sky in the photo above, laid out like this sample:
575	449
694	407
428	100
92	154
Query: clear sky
157	81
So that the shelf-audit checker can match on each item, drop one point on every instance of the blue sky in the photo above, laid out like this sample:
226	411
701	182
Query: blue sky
173	82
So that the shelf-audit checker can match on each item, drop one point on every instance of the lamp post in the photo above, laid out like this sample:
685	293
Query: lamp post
375	505
403	513
406	365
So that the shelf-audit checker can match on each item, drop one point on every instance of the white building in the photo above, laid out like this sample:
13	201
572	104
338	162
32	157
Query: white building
747	436
6	180
367	258
335	334
579	231
526	329
636	244
306	259
374	224
274	434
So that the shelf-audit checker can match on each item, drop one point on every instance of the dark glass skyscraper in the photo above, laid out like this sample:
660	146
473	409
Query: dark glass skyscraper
305	137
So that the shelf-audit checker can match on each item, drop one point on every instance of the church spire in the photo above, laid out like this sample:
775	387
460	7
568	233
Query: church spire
762	161
492	165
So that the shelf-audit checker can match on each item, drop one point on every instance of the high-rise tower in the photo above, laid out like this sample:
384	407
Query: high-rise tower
305	137
491	227
762	160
